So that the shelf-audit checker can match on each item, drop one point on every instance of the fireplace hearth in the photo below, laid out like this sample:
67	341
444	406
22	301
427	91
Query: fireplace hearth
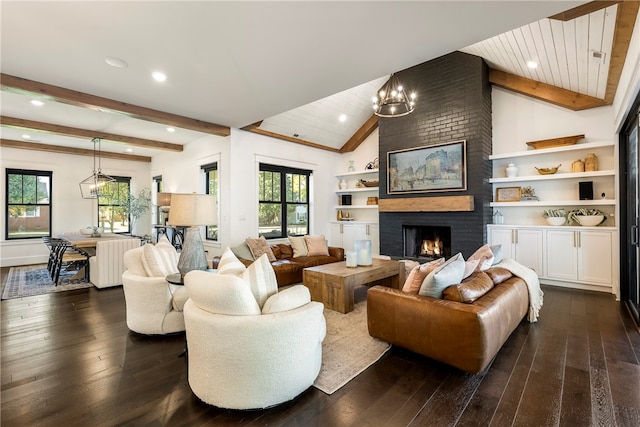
426	242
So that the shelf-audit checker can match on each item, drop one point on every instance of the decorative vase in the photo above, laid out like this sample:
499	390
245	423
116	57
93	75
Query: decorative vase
343	184
577	166
591	163
511	170
363	252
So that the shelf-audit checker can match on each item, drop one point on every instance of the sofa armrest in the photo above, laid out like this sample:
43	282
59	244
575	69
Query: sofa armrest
336	252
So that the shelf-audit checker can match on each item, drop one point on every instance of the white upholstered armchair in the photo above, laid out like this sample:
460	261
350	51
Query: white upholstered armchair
245	357
153	305
106	266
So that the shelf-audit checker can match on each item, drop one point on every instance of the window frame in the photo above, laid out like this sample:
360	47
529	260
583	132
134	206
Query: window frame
8	204
118	180
207	169
284	170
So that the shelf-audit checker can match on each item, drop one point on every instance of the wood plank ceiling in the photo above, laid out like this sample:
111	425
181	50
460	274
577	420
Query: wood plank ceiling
580	55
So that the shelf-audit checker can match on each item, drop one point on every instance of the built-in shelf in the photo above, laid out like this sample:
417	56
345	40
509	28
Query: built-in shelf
599	202
586	146
343	207
361	172
357	190
568	175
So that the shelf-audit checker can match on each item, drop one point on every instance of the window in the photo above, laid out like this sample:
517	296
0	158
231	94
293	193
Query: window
211	187
113	206
284	201
28	204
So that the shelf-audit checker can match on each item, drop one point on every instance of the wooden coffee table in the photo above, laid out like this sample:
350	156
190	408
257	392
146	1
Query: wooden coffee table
333	284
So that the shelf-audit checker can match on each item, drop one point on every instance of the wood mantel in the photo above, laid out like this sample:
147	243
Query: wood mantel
427	204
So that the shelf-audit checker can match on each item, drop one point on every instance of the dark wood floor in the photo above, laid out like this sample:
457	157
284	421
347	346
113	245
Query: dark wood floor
68	359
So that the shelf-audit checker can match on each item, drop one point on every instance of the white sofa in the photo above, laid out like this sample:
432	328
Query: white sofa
153	305
239	356
106	266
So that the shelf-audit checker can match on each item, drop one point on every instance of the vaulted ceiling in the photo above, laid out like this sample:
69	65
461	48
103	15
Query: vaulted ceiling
283	69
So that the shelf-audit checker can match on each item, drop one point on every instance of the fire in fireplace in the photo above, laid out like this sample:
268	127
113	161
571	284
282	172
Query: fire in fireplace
426	241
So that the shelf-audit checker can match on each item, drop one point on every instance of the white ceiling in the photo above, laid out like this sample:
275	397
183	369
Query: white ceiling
233	63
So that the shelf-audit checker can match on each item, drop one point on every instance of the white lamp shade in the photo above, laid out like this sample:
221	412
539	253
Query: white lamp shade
193	210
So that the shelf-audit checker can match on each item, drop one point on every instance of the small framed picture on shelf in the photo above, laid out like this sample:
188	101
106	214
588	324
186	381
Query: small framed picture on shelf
508	194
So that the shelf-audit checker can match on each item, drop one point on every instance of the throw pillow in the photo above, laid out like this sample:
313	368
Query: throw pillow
418	274
133	261
299	246
260	246
449	273
230	264
261	278
243	251
221	293
288	299
469	267
485	257
158	262
497	253
316	245
470	289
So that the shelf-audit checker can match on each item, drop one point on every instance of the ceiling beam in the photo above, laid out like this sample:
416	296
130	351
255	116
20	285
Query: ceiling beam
86	134
255	129
9	143
361	134
582	10
625	21
564	98
84	100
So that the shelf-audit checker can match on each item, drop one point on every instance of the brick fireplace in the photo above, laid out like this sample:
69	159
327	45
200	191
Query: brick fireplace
454	103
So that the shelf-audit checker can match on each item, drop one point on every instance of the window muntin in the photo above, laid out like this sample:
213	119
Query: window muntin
283	201
28	208
113	211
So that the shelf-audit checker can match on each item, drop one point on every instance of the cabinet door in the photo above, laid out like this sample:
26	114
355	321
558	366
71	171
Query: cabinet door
561	258
594	257
335	235
373	234
504	237
351	233
528	248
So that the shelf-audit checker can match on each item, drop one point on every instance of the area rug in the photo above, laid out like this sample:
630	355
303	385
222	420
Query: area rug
348	349
35	280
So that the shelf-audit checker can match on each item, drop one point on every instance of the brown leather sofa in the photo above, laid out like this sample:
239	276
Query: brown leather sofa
466	335
289	269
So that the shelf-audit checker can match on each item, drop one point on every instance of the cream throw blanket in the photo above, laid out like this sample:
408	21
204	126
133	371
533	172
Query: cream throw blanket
531	279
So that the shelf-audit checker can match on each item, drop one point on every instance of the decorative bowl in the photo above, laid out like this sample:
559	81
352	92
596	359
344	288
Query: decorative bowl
86	231
547	171
372	183
589	220
556	220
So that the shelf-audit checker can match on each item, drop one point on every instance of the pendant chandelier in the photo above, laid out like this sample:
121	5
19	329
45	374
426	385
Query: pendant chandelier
392	101
92	187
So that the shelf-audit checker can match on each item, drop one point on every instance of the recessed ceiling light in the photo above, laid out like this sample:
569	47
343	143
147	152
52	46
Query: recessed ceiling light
37	102
116	62
171	129
129	150
532	64
25	136
343	117
159	76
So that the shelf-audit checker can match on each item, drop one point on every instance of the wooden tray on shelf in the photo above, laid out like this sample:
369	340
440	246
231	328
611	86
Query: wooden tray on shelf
555	142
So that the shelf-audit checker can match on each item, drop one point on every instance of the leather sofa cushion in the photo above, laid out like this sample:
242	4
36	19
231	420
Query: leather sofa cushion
470	289
498	274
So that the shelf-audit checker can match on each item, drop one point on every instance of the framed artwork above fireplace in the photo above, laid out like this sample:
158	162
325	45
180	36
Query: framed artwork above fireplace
430	168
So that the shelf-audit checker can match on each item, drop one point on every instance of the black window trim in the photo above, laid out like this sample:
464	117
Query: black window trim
35	172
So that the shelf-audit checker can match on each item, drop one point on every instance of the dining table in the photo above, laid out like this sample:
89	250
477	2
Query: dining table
87	243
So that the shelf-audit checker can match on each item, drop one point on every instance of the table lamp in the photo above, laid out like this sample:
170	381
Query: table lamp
164	202
192	211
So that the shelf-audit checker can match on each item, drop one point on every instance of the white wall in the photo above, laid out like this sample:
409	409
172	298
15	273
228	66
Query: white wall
70	211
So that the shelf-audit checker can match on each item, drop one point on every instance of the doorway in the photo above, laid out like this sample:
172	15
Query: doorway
630	212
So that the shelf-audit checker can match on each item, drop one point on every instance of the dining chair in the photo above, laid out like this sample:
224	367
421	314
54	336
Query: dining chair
70	258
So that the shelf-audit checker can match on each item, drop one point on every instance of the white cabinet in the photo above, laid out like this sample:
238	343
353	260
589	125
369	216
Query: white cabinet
579	255
344	234
524	245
